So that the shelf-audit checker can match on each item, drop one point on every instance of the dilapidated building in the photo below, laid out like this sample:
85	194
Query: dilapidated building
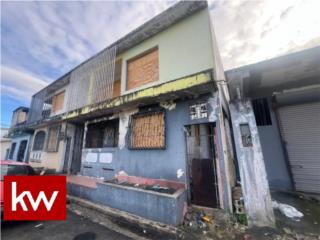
150	111
275	110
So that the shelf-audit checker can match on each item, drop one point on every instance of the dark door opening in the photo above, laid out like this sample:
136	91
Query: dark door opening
67	156
203	186
22	150
77	149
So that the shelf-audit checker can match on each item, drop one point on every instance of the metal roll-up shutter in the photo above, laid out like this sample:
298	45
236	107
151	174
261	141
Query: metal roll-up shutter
300	130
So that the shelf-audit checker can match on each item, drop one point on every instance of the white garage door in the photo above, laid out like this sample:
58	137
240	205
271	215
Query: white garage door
300	128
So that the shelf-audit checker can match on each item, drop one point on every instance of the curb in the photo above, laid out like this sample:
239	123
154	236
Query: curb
135	225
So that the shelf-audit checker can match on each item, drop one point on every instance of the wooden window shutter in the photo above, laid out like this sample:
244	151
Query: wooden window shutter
52	145
148	131
143	69
57	102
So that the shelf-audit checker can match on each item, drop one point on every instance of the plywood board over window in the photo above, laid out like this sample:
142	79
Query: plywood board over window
148	131
57	102
53	139
143	69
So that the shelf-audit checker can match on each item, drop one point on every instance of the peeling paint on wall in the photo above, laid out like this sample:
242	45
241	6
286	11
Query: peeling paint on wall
180	173
173	86
214	107
253	175
124	125
170	105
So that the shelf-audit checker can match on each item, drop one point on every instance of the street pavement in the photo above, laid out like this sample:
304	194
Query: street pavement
75	228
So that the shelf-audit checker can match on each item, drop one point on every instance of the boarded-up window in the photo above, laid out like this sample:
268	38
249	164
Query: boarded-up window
53	139
38	142
148	131
143	69
116	88
57	102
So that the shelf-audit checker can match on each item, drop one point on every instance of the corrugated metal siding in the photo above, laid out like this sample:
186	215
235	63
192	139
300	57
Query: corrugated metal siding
300	128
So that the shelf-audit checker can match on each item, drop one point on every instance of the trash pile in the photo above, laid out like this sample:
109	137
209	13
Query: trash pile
155	188
287	210
197	220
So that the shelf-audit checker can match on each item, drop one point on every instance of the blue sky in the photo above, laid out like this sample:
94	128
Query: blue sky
40	41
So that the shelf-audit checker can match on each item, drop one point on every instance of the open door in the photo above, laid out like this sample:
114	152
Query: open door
203	186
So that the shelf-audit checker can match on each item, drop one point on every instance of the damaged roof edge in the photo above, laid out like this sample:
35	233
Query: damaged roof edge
151	92
157	24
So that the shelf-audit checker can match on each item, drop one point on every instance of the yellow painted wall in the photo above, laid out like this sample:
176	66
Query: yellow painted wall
51	160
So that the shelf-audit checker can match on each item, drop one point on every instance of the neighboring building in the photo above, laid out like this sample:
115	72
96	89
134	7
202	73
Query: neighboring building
153	108
20	135
5	143
275	109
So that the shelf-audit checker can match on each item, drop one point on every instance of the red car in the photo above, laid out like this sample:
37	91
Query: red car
13	168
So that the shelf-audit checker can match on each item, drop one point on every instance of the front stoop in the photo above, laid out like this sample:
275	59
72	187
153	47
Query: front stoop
125	223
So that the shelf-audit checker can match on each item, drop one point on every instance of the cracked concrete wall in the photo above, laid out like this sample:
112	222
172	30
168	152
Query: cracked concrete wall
252	170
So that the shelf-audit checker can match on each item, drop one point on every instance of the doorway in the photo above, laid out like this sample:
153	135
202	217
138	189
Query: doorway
203	185
22	150
67	156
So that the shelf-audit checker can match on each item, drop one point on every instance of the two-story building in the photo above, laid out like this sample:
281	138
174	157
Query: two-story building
150	111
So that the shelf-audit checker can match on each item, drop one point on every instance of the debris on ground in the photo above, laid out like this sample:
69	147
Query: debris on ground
155	188
287	210
40	226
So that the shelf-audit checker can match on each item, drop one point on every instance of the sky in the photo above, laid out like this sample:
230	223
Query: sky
40	41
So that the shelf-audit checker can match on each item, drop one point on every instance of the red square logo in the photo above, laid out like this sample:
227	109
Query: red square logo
35	198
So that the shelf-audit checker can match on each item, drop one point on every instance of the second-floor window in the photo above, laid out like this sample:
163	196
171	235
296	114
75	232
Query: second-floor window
57	102
53	139
38	142
143	69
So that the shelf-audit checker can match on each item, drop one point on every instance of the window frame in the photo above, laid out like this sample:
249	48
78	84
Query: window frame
112	123
262	112
12	150
143	114
48	138
54	102
140	55
44	141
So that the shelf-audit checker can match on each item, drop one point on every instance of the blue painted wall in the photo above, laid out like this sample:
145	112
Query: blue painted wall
158	164
159	207
277	170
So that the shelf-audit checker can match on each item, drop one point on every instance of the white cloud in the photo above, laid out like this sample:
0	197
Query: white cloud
50	38
252	31
19	85
60	35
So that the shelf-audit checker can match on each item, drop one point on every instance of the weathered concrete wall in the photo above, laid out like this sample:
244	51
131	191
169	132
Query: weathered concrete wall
165	164
253	175
159	207
274	158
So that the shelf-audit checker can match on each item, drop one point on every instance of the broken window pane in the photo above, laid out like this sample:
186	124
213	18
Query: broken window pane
103	134
148	131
